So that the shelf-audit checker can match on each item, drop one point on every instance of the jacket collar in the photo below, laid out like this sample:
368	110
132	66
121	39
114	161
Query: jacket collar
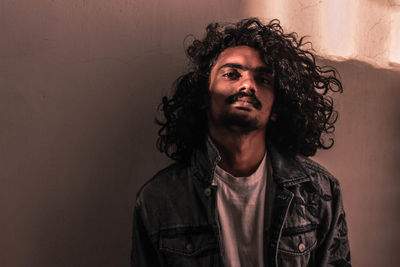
204	160
286	171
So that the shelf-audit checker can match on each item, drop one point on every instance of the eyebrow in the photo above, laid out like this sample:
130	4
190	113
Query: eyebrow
240	66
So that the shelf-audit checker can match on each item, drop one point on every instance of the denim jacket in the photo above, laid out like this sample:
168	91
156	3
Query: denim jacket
176	222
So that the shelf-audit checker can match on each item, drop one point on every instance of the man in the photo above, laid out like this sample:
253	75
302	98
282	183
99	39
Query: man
240	126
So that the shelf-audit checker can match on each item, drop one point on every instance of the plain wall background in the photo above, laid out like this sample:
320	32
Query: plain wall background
79	85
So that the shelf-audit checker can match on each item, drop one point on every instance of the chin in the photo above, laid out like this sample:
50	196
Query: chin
239	120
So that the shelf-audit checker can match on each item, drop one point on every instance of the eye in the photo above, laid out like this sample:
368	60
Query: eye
232	75
265	80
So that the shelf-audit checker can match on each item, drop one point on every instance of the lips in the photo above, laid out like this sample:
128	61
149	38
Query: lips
245	100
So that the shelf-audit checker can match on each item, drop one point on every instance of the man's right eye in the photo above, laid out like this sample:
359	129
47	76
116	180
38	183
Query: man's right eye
231	75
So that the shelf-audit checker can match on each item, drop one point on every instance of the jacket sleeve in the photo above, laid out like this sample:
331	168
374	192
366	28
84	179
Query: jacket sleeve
143	253
335	250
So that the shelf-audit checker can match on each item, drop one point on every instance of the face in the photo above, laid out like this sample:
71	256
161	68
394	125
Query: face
241	90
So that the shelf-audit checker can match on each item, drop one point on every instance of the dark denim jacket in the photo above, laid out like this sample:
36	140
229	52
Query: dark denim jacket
176	223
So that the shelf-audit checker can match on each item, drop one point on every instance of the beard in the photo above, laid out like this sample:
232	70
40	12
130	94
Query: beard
236	122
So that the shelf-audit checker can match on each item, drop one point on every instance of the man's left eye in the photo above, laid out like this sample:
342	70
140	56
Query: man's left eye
265	80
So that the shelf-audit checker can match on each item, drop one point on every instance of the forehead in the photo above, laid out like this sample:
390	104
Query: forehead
244	55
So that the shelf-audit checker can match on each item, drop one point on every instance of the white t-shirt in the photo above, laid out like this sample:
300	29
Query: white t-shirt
240	206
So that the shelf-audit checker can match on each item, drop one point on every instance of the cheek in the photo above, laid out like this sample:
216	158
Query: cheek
268	101
214	99
268	97
218	92
216	102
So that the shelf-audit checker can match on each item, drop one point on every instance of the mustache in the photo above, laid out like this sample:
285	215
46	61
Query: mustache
251	98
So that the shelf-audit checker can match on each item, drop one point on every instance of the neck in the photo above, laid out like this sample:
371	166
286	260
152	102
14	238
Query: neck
241	153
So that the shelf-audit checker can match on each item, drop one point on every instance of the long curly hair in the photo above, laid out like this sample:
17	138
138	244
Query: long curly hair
303	105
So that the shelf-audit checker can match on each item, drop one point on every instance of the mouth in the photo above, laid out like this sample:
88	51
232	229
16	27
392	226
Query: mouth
244	101
243	108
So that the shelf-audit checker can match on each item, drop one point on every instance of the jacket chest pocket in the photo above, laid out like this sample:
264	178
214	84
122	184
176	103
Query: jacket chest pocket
296	244
190	249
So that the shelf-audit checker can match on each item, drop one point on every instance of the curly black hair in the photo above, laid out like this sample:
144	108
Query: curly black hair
303	105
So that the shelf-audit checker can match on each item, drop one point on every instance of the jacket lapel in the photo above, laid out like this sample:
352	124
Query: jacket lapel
286	172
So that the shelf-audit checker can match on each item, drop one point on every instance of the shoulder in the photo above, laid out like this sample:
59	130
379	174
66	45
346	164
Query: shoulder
162	184
318	174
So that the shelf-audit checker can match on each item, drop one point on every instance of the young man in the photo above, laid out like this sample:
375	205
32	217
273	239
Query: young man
240	126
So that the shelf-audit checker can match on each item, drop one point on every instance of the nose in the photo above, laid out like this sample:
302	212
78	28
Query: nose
248	85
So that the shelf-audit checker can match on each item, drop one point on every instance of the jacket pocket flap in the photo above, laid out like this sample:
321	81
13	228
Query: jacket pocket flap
298	240
188	244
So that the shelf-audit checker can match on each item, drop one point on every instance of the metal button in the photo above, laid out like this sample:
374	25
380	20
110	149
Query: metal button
302	247
189	247
207	192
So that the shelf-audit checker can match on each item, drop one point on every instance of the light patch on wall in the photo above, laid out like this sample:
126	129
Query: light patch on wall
277	9
337	28
266	9
394	55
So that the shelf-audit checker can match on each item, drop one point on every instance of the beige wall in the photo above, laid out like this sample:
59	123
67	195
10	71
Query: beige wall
79	85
